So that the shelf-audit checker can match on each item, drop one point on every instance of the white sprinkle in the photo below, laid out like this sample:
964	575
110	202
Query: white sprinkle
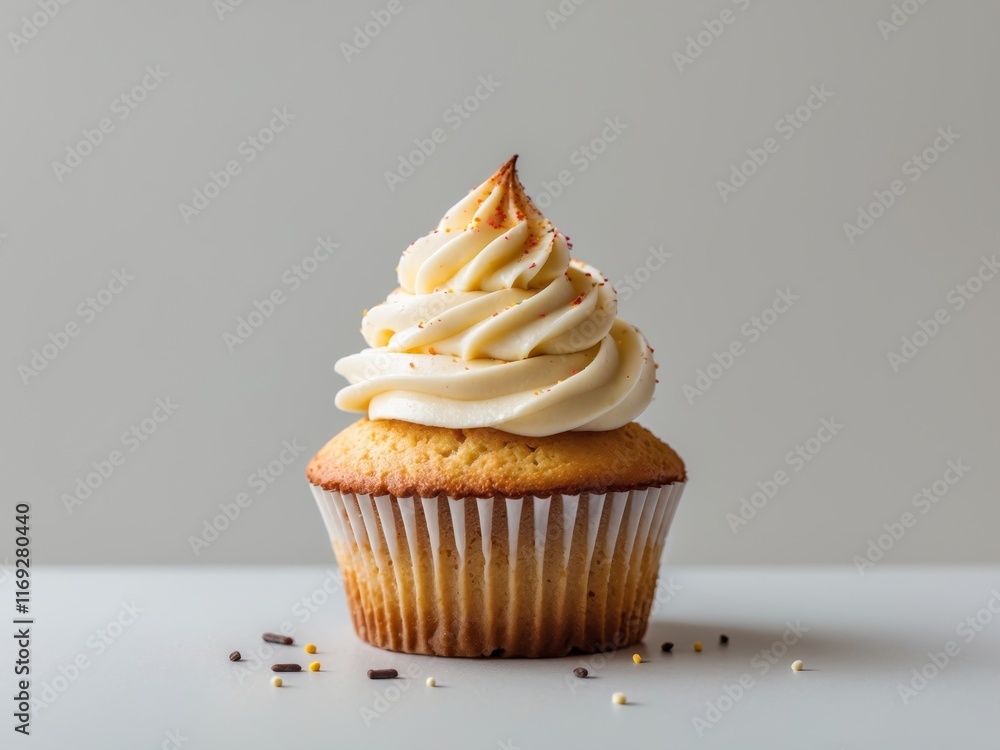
431	682
618	698
797	665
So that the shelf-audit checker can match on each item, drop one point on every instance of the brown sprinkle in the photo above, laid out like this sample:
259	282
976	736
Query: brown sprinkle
277	638
723	640
667	647
286	668
382	674
580	672
235	656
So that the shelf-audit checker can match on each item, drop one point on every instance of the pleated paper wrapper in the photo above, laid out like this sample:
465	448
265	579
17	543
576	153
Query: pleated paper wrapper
528	576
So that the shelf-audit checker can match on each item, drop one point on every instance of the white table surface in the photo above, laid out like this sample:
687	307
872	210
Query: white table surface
166	680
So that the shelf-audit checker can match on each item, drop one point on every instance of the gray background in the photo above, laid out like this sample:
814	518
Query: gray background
655	185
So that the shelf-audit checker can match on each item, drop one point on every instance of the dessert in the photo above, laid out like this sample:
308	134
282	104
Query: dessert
497	498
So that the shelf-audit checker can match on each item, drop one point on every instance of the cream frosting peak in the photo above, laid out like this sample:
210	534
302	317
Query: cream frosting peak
494	238
493	325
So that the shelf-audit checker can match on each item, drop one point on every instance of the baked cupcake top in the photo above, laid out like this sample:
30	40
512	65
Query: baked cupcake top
494	325
390	457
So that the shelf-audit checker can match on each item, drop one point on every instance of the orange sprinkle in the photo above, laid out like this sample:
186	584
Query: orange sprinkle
412	365
430	349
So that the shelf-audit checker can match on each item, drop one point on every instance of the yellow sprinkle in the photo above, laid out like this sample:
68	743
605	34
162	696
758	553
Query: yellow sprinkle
636	658
310	648
314	666
619	698
276	681
797	665
697	645
431	682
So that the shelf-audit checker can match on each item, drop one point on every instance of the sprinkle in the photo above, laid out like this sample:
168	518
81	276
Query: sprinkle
580	672
541	315
235	656
697	646
797	665
382	674
314	666
636	659
431	682
430	350
619	698
667	647
723	640
276	681
412	365
277	638
286	668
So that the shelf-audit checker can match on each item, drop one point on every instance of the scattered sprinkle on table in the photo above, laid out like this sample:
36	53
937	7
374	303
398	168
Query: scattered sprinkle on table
697	645
797	665
314	666
277	638
431	682
276	681
667	647
310	648
636	658
618	698
723	640
382	674
286	667
580	672
235	656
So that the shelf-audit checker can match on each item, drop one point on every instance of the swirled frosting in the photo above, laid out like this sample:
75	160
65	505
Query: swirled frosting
494	325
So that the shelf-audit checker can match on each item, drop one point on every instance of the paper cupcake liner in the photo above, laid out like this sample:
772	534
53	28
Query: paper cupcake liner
528	576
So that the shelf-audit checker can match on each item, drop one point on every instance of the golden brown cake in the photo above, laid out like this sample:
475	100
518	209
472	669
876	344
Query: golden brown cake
391	457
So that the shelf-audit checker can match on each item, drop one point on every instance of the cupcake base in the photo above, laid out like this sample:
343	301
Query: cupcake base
532	576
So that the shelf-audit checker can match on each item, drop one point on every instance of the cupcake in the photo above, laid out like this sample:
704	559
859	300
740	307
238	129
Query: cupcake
497	499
